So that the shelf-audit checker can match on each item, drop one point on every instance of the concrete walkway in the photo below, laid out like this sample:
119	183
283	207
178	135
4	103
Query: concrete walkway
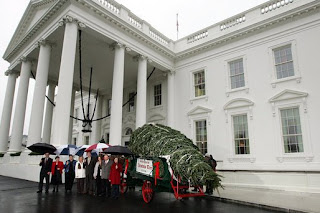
284	200
20	196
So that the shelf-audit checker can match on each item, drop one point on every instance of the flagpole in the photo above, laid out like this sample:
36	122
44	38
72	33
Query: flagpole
177	28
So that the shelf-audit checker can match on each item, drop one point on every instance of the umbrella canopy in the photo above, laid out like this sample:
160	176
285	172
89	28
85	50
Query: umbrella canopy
42	148
118	150
80	150
66	150
98	147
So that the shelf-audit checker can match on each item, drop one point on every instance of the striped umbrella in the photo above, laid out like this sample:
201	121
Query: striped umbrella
98	147
66	150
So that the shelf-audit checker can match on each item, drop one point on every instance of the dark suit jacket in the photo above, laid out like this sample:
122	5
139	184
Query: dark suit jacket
90	167
45	167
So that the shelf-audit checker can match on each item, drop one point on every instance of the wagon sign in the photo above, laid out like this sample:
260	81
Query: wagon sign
144	166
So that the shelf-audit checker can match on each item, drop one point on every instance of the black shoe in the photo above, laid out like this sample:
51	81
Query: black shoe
40	191
47	191
54	190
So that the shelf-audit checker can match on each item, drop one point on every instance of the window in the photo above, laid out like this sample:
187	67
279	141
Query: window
74	142
131	101
236	74
107	138
291	130
76	114
199	84
109	106
157	95
241	134
86	139
283	61
201	135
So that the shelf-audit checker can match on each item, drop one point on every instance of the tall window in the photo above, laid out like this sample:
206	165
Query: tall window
283	61
157	95
241	134
199	84
201	135
74	141
76	114
131	101
107	138
291	130
236	74
109	106
86	139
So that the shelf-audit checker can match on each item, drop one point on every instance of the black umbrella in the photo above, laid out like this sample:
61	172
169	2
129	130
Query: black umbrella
42	148
118	150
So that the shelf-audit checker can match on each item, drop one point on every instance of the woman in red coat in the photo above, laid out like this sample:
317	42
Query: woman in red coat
56	171
114	178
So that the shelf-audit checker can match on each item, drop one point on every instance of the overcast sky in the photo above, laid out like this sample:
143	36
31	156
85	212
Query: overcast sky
193	16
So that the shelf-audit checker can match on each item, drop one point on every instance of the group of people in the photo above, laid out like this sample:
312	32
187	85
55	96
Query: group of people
98	176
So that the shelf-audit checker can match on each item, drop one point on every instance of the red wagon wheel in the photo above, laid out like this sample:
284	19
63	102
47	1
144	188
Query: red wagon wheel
123	186
147	191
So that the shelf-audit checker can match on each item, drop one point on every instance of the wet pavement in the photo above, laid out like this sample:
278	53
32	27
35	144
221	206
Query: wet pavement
20	196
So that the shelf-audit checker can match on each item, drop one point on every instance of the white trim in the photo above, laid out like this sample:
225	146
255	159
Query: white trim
245	73
297	74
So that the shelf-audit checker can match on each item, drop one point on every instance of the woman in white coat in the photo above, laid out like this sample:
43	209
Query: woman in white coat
80	174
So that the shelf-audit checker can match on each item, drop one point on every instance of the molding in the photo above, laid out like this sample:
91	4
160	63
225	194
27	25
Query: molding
238	103
12	72
287	95
199	110
242	159
285	159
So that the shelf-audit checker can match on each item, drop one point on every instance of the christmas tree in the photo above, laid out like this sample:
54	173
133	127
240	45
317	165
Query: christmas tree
186	160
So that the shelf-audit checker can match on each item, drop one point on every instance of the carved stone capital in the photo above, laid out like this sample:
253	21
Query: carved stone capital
70	19
44	42
140	57
11	72
117	45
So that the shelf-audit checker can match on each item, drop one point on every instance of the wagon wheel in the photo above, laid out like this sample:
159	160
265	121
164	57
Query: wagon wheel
123	186
147	191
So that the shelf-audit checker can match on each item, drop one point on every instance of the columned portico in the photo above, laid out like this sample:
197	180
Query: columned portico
170	100
36	120
117	95
7	110
20	110
65	84
141	109
46	135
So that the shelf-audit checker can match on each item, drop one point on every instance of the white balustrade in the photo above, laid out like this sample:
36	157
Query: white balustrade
275	5
197	36
157	36
135	21
110	5
233	22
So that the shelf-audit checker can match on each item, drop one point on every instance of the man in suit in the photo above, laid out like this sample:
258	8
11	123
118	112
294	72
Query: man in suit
105	172
90	163
45	164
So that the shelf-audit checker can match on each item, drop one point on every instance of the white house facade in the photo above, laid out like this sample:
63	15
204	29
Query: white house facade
244	90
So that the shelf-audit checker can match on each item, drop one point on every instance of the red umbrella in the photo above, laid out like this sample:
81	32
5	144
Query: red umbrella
98	147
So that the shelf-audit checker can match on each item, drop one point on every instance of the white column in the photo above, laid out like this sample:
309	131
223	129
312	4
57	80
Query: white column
117	96
141	109
71	119
39	95
96	125
7	110
20	110
65	84
170	100
46	134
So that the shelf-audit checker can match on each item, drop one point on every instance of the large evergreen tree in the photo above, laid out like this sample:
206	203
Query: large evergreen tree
186	160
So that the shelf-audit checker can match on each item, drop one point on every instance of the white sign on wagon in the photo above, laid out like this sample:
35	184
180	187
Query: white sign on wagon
144	166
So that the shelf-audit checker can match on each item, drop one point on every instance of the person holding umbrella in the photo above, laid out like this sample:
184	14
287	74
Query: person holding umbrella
45	164
56	170
69	167
80	175
105	173
90	163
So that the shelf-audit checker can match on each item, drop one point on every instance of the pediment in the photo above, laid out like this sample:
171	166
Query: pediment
156	117
287	95
199	110
35	10
238	103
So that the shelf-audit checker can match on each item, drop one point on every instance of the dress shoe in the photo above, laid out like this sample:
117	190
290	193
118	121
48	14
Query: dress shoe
47	191
40	191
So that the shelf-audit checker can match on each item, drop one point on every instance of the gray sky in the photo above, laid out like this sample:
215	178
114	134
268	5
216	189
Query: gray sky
193	16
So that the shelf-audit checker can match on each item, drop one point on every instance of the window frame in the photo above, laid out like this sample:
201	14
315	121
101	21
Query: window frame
297	74
134	102
233	135
154	95
195	133
192	85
